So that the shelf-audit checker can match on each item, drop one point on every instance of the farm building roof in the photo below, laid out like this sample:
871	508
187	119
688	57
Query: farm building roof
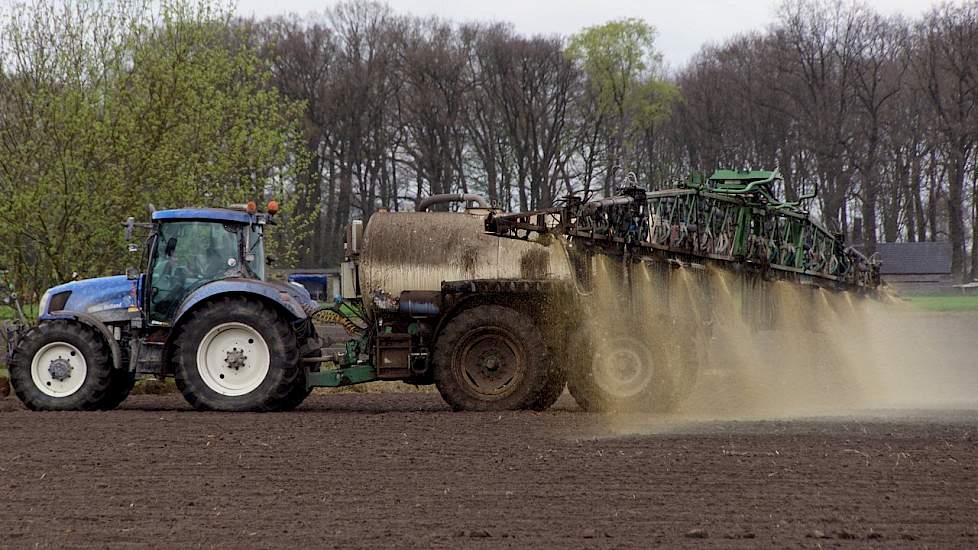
915	258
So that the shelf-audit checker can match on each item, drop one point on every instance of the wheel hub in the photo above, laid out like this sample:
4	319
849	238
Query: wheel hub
235	359
490	365
625	366
622	367
59	369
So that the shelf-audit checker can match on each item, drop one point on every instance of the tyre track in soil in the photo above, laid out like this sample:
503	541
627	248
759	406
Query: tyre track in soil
364	470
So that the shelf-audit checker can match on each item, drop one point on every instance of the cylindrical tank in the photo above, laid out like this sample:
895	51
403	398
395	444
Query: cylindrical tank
419	250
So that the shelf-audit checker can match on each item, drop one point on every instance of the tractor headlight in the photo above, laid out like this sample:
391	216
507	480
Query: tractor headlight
45	300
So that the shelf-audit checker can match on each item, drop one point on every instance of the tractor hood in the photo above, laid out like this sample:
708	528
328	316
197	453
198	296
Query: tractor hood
105	298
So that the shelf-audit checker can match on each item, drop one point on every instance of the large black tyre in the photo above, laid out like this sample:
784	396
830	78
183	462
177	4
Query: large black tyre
492	358
619	373
62	366
119	389
235	354
556	382
297	394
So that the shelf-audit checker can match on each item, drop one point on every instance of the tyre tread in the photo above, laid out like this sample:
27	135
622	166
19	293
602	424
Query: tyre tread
96	389
536	378
266	398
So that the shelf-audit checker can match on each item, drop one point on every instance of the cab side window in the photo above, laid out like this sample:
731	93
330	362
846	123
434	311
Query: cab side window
188	255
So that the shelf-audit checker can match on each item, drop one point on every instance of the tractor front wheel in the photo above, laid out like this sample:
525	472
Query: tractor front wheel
122	383
62	366
236	355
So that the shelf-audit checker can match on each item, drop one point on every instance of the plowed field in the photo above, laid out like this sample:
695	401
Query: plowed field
400	470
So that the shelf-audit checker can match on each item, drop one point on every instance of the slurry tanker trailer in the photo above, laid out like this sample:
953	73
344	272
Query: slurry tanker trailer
499	310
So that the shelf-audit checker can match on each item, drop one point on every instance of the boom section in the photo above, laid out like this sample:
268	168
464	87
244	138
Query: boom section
731	222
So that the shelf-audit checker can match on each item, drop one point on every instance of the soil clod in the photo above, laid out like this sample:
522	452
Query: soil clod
845	534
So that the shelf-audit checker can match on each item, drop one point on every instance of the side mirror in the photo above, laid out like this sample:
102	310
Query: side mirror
132	273
130	225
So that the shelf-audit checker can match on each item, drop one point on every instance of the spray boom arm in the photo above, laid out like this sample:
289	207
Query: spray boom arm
735	223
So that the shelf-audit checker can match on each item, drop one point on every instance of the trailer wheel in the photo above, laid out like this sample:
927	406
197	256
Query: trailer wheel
491	358
236	355
618	372
556	382
61	366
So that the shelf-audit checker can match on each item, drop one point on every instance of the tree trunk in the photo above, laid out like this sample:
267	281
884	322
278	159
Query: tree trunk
869	219
918	202
974	226
955	221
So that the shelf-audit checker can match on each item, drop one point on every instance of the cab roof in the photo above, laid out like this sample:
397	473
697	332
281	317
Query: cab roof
204	214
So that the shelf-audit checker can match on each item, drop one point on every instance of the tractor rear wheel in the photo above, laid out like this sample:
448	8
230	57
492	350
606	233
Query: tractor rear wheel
492	358
62	366
119	390
619	373
297	394
235	354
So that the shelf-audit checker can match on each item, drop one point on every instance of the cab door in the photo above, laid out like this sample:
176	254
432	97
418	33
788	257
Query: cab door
187	255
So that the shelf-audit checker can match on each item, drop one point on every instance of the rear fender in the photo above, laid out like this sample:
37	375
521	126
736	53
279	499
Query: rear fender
91	321
288	300
284	300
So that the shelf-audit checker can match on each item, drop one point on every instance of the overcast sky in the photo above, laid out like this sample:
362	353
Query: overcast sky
683	26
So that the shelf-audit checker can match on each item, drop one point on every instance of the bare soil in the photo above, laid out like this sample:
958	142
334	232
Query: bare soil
400	470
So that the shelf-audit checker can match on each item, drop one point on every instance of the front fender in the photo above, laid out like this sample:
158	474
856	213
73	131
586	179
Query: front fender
277	294
90	320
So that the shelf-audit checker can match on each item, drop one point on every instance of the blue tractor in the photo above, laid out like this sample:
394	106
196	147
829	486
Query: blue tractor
201	311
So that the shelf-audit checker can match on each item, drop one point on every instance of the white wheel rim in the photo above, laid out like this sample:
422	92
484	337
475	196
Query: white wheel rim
620	370
59	369
233	359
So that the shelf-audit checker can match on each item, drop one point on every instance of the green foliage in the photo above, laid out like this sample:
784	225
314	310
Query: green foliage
955	302
624	72
8	313
652	102
110	106
616	56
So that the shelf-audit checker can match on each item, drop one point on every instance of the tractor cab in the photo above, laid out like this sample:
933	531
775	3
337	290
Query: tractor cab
191	247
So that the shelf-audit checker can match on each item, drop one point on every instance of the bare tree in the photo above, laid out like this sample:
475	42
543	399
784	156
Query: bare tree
944	66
